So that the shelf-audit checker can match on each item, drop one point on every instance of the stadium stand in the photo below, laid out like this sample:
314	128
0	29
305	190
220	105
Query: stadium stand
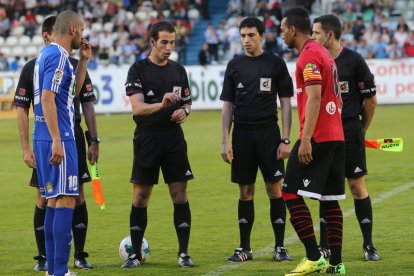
390	23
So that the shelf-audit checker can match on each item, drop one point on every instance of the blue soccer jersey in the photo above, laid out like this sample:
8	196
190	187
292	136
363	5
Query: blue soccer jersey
54	72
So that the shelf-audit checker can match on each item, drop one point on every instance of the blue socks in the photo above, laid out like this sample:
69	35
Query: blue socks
62	235
50	245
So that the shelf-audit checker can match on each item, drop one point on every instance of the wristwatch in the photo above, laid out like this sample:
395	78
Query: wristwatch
96	139
285	141
186	110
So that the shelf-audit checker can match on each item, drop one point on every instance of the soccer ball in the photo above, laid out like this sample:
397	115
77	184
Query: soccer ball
125	249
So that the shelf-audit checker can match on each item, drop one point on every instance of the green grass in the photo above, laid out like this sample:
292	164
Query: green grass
213	201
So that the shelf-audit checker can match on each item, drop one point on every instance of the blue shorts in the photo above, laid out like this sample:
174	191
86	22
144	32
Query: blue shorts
61	179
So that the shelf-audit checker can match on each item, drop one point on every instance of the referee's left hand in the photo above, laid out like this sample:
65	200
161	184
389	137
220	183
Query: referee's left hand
178	116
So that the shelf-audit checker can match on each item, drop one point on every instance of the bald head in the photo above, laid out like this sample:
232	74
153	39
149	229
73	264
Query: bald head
65	20
69	27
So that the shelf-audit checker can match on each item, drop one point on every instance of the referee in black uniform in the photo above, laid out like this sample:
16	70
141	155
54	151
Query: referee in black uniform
358	90
160	98
23	98
252	83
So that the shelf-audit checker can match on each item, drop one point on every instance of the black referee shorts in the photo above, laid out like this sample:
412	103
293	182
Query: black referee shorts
253	149
355	158
165	149
323	178
84	175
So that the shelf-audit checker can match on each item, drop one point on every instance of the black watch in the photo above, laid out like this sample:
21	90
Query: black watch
96	139
285	141
186	110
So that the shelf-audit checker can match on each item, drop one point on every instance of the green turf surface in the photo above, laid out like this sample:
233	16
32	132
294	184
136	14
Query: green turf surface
213	201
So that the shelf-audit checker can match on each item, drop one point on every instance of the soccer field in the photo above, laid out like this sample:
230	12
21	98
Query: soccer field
213	200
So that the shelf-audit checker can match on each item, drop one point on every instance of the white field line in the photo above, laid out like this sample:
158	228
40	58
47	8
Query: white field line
294	238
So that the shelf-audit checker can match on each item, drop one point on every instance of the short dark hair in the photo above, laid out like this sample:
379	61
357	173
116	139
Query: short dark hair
48	24
253	22
330	22
160	26
298	17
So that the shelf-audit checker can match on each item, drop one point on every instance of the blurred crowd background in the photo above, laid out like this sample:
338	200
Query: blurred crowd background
207	30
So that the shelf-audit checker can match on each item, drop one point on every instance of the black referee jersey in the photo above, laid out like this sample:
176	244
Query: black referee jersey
24	95
153	81
356	82
252	84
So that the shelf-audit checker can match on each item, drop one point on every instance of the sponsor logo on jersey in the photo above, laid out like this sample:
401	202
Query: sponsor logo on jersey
177	90
89	87
187	92
344	86
357	170
39	119
278	173
58	76
22	91
306	182
330	108
183	225
49	187
265	84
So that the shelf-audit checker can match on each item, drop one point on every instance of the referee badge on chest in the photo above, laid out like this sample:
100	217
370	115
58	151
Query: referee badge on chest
177	90
344	86
265	84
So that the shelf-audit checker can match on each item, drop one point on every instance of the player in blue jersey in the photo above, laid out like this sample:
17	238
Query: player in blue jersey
55	86
23	100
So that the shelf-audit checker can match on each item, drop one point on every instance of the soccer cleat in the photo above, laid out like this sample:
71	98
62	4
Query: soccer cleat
184	260
334	269
131	262
326	252
41	263
281	254
81	262
370	253
240	255
70	273
306	267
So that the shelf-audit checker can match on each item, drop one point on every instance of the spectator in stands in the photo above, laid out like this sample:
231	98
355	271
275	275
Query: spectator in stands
358	29
203	55
371	35
222	36
378	49
212	41
105	43
362	48
394	50
110	11
115	53
409	45
234	39
270	43
4	65
138	29
128	52
402	23
4	23
121	35
30	23
349	18
385	35
400	36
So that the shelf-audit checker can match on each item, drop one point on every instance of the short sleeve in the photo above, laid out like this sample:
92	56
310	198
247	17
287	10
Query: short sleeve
24	90
365	79
133	83
227	94
284	84
87	94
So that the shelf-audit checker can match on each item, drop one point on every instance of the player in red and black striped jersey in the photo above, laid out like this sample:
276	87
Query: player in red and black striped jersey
358	91
316	165
23	99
